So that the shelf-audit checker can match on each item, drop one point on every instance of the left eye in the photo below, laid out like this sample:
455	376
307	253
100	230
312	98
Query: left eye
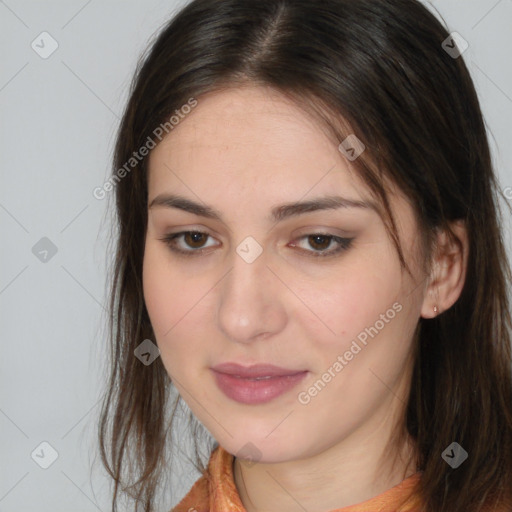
321	242
195	241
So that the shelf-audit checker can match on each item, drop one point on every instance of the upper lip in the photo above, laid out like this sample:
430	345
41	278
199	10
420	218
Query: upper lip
257	370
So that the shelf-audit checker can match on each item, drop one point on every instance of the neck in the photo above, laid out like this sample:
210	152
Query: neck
351	472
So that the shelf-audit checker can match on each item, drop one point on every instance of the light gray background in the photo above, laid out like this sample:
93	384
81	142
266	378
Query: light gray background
58	120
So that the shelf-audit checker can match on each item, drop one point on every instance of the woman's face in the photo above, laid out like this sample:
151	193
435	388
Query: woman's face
317	292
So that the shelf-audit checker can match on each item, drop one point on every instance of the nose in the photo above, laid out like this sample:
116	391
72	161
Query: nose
251	301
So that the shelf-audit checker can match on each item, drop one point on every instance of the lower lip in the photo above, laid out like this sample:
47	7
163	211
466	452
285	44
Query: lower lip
250	391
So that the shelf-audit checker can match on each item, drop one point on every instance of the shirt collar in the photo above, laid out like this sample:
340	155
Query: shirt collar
223	494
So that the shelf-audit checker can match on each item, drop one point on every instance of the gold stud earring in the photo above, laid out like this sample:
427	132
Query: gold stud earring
435	309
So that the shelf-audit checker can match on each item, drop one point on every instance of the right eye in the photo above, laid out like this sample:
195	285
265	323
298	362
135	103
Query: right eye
194	240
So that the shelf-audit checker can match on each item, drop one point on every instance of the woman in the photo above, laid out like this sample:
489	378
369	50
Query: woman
309	233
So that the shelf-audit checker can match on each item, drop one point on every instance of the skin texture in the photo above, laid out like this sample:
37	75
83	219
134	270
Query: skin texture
244	151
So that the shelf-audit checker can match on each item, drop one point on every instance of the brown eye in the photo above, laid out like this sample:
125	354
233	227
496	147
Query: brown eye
192	243
188	243
195	239
320	242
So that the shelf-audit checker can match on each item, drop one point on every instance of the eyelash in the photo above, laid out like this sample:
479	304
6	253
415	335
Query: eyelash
343	244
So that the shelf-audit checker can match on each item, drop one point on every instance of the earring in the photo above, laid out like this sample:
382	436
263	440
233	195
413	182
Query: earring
435	309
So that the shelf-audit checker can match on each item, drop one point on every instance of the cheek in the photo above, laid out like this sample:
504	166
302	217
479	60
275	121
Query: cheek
168	294
158	297
353	299
179	309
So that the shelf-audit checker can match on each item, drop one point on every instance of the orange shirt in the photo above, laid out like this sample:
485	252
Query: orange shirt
216	492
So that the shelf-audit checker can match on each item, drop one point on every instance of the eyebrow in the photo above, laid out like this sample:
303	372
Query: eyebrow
278	213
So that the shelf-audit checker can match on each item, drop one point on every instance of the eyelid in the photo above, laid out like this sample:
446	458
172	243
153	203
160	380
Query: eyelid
171	237
344	243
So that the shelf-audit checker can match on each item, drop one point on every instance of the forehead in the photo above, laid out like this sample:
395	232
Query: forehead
245	152
251	139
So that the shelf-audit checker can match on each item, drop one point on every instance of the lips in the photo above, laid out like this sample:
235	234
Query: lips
255	384
254	371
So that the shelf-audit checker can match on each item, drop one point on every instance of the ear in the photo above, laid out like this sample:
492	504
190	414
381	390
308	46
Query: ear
449	266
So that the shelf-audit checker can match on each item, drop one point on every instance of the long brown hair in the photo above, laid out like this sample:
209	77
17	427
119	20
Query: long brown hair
380	67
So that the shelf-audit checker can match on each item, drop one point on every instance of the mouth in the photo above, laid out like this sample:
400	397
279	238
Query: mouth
255	384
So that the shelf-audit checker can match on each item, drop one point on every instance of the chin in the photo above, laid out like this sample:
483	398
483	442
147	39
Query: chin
258	448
